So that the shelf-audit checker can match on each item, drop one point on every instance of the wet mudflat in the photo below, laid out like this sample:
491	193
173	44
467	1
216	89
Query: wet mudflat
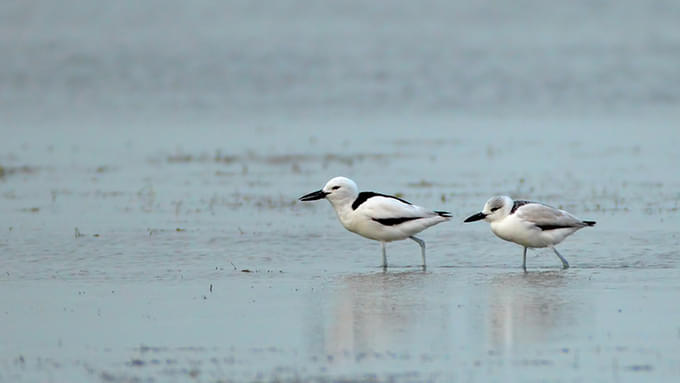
158	269
404	325
151	231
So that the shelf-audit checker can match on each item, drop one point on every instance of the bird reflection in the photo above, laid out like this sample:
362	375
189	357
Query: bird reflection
527	307
375	312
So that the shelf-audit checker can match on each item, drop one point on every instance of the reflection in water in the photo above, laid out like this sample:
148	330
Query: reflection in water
376	312
527	307
416	314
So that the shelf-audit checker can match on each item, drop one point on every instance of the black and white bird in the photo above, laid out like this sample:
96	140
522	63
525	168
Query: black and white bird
376	216
530	224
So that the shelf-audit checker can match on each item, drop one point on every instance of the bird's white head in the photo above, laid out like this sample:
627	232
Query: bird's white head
496	208
338	191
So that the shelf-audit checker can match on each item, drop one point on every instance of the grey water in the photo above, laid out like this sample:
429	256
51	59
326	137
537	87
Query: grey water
152	153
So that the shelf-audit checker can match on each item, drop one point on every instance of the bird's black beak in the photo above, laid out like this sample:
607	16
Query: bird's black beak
313	196
475	217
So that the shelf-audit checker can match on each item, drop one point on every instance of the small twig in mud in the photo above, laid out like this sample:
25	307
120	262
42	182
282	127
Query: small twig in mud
178	206
233	265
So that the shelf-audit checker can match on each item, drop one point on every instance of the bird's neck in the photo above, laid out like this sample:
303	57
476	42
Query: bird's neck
344	211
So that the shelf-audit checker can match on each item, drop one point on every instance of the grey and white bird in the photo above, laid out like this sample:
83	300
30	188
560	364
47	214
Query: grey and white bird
376	216
530	224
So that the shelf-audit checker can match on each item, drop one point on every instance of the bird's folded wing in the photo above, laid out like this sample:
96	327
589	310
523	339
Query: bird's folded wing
547	216
385	207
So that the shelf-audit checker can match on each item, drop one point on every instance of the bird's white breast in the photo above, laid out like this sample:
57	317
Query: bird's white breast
516	230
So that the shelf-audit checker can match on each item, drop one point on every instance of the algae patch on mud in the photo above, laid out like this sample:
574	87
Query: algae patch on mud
348	159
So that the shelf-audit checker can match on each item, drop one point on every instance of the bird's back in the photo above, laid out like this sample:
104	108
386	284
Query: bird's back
547	217
389	218
537	225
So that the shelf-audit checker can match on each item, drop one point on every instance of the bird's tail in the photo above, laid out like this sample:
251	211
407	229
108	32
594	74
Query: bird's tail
444	214
589	223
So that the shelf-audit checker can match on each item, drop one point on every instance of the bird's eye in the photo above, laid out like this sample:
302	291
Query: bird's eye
494	209
335	188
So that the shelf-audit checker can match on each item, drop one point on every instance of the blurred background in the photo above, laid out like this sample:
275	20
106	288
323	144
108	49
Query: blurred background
213	62
154	145
479	96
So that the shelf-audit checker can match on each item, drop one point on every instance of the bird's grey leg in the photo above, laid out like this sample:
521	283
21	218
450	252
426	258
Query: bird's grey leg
384	255
422	247
524	259
565	264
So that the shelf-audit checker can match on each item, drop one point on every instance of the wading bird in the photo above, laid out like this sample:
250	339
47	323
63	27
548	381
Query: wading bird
530	224
376	216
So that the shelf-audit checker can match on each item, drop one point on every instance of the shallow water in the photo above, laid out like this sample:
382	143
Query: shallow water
150	229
